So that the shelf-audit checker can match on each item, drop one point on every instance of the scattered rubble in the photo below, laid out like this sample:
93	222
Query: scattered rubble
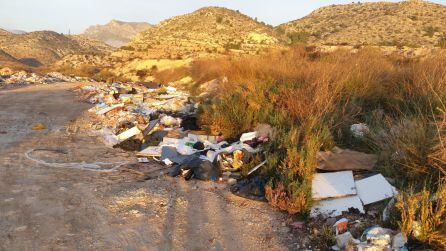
26	78
160	122
347	186
373	238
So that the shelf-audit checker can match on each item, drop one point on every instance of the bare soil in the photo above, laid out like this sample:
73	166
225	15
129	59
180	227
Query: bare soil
55	208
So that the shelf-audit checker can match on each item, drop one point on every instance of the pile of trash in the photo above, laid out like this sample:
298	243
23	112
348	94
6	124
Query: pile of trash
159	122
373	238
336	189
27	78
347	184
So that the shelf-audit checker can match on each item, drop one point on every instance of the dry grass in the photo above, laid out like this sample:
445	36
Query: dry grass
170	75
311	100
91	71
422	215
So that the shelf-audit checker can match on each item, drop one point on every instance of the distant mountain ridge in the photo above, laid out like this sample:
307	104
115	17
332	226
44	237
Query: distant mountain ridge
45	47
116	33
18	32
413	23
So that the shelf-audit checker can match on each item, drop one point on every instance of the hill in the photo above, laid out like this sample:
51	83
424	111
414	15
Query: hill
45	47
207	30
4	32
116	33
413	23
17	31
7	60
91	45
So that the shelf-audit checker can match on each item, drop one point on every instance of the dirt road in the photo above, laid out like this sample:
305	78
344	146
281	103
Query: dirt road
47	208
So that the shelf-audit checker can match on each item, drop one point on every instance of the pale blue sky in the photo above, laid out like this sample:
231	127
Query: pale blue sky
77	15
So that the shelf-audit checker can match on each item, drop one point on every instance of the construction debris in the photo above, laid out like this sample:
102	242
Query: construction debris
338	192
27	78
333	185
339	159
336	207
161	122
375	188
373	238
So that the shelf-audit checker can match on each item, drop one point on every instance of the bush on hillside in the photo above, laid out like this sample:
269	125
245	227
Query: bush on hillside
298	37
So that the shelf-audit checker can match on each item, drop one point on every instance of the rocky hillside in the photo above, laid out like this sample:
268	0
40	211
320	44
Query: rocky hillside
7	60
208	30
413	23
17	31
116	33
92	45
45	47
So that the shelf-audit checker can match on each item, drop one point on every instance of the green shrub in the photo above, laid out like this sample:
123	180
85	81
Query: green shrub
233	46
142	74
127	48
430	31
298	36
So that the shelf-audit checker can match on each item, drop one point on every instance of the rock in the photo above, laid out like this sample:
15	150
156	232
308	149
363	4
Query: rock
344	240
399	241
378	236
359	130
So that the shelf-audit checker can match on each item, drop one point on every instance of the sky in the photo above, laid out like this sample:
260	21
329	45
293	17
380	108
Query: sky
76	15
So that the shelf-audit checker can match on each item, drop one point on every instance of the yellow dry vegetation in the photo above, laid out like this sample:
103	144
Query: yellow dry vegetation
262	38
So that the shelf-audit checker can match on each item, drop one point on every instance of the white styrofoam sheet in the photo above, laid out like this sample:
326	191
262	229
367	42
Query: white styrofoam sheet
248	136
129	133
335	207
171	142
151	151
333	185
373	189
108	109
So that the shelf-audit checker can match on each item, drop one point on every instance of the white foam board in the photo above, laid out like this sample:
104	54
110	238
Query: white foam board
129	133
335	207
373	189
151	151
108	109
333	185
248	136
